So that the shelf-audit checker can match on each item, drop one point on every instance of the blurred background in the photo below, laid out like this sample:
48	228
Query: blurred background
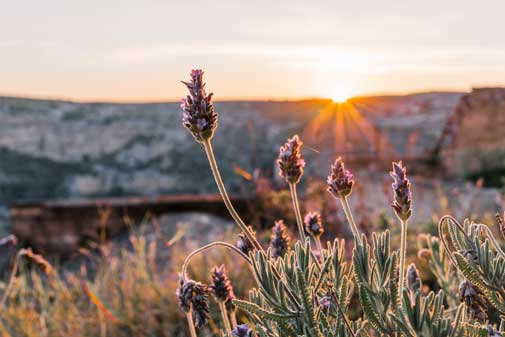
95	165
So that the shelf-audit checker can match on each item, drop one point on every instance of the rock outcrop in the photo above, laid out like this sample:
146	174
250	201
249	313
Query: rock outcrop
475	136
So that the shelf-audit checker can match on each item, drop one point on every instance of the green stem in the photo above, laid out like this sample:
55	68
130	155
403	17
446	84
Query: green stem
207	145
319	245
403	248
348	215
298	214
233	316
191	324
224	316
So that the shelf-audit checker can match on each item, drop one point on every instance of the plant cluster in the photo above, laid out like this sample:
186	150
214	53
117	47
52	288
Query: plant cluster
305	289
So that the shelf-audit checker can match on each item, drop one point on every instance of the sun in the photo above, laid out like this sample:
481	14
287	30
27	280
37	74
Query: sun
340	95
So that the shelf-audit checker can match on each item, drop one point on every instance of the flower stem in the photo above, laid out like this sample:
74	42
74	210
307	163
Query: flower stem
207	145
11	280
348	215
403	248
319	245
298	214
224	316
191	324
233	316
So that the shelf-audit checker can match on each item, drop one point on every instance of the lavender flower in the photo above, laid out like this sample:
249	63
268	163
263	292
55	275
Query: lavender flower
324	301
340	180
492	332
474	301
198	114
413	279
220	284
279	241
501	223
194	296
242	330
243	242
290	162
313	224
402	194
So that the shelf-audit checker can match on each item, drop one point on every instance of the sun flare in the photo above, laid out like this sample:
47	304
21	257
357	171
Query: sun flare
340	95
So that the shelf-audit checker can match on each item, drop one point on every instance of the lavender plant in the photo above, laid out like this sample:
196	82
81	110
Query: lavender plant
301	291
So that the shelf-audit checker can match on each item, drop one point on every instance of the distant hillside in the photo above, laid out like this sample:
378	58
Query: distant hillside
57	149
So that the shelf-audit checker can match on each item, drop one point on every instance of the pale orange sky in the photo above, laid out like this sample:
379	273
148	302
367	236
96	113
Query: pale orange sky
139	50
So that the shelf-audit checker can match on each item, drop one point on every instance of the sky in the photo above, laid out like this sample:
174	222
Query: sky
126	50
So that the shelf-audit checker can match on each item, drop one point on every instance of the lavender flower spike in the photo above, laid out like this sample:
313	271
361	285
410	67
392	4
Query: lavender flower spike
280	240
198	115
242	330
290	162
220	284
313	224
340	180
402	193
194	296
243	242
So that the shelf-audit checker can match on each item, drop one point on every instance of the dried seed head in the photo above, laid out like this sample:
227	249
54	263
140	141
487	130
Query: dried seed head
279	241
340	180
313	224
243	242
290	161
194	297
402	195
37	260
474	301
413	279
220	284
242	330
198	115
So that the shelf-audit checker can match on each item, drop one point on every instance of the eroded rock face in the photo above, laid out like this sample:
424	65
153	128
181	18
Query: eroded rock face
477	135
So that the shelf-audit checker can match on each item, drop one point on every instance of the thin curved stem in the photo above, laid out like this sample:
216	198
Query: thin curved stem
319	246
233	316
210	246
224	316
403	248
191	324
207	145
350	218
491	237
298	214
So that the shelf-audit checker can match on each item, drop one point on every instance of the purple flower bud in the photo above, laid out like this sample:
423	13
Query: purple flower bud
194	297
492	332
340	180
402	195
279	241
242	330
220	284
198	114
324	301
243	242
290	162
473	298
313	224
413	278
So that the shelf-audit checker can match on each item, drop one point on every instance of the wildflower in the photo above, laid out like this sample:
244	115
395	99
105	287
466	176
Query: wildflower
324	301
340	180
424	253
220	284
243	242
194	296
313	224
402	194
279	241
413	279
242	330
198	115
474	301
8	241
290	162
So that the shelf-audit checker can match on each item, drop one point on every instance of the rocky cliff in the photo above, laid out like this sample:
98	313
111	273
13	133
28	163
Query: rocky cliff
476	136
